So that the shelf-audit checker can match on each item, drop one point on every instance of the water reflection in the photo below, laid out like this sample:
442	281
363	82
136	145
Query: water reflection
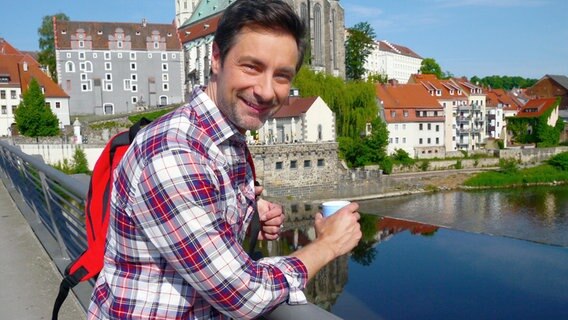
403	269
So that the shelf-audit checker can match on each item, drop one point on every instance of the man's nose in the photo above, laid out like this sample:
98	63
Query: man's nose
264	88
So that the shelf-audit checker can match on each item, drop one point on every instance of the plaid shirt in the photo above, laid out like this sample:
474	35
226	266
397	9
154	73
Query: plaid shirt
181	204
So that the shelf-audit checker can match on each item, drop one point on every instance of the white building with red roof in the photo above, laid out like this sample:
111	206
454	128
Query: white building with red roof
17	69
393	60
303	120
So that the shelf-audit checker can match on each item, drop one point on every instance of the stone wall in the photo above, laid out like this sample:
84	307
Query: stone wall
297	169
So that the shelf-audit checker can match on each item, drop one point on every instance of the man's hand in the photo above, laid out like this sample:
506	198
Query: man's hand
271	217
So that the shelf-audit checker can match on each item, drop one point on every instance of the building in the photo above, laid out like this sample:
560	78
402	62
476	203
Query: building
536	108
471	116
551	86
415	120
197	22
114	67
451	97
500	105
303	120
16	71
395	61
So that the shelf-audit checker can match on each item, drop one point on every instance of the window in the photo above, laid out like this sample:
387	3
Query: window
120	55
420	141
134	77
132	55
13	94
108	86
2	94
119	44
108	66
164	67
107	55
437	128
86	86
83	76
57	105
134	99
4	109
69	55
133	66
396	140
165	77
165	87
279	165
69	66
174	55
403	140
156	45
95	55
429	140
321	162
81	44
82	55
307	163
293	164
134	88
437	140
127	84
164	57
420	126
396	127
149	56
393	114
108	76
405	113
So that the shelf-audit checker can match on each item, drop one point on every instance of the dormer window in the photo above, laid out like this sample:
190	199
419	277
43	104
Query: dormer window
100	32
137	33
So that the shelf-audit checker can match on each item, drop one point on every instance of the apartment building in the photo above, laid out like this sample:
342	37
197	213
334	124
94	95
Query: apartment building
17	69
471	130
450	96
395	61
500	105
197	22
114	67
415	120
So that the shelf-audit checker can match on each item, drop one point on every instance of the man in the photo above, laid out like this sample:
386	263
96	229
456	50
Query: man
184	192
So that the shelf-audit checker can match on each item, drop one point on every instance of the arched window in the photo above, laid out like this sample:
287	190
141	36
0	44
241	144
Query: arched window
334	38
320	132
163	100
304	14
88	66
69	66
317	32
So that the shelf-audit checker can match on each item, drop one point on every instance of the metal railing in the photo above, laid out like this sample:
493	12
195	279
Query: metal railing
53	203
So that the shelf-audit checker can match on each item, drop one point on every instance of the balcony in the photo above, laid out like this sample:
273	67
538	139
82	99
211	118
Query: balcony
465	119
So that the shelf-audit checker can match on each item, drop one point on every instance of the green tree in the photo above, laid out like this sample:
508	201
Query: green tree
430	66
360	42
375	77
503	82
33	117
46	56
80	163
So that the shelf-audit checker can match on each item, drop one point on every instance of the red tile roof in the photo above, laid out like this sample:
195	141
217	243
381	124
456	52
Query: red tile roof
536	107
98	33
409	98
448	89
495	97
199	30
297	106
21	68
398	49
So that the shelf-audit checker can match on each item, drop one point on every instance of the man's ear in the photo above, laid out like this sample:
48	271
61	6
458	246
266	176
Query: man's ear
215	59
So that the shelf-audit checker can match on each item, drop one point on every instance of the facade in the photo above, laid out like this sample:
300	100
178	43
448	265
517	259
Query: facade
471	128
110	67
451	97
500	105
304	120
551	86
325	27
395	61
16	71
415	120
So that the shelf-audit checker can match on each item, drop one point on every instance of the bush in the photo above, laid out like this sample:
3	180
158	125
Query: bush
386	165
509	165
559	161
424	165
459	164
402	157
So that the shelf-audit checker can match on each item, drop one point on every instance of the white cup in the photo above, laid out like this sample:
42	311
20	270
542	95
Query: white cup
330	207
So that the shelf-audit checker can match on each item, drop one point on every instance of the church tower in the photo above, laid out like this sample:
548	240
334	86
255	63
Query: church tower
184	10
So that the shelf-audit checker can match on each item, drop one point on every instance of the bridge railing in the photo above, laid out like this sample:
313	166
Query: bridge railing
53	203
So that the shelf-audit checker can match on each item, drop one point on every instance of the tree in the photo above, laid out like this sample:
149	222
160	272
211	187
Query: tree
46	56
430	66
33	117
358	47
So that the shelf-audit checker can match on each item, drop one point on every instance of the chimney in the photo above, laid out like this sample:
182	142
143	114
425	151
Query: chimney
144	22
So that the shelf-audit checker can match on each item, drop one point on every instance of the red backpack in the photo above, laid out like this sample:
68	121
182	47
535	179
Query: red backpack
97	211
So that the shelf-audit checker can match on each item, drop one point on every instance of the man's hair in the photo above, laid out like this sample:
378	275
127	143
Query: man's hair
272	15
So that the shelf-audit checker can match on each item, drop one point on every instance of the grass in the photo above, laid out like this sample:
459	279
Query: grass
536	175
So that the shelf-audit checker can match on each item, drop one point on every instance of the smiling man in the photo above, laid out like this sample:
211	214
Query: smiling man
184	193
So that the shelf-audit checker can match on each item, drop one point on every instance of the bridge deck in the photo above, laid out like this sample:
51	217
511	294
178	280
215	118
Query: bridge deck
29	280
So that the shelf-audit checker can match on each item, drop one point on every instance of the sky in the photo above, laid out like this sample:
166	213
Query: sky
526	38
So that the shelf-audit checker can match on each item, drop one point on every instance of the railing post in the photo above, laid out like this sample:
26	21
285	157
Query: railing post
46	193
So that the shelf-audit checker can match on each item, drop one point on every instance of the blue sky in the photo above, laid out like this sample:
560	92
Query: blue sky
525	38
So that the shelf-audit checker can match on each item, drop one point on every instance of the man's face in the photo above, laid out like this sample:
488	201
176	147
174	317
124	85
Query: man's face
254	80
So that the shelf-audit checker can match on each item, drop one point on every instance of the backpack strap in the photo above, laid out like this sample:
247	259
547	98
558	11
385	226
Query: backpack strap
255	222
